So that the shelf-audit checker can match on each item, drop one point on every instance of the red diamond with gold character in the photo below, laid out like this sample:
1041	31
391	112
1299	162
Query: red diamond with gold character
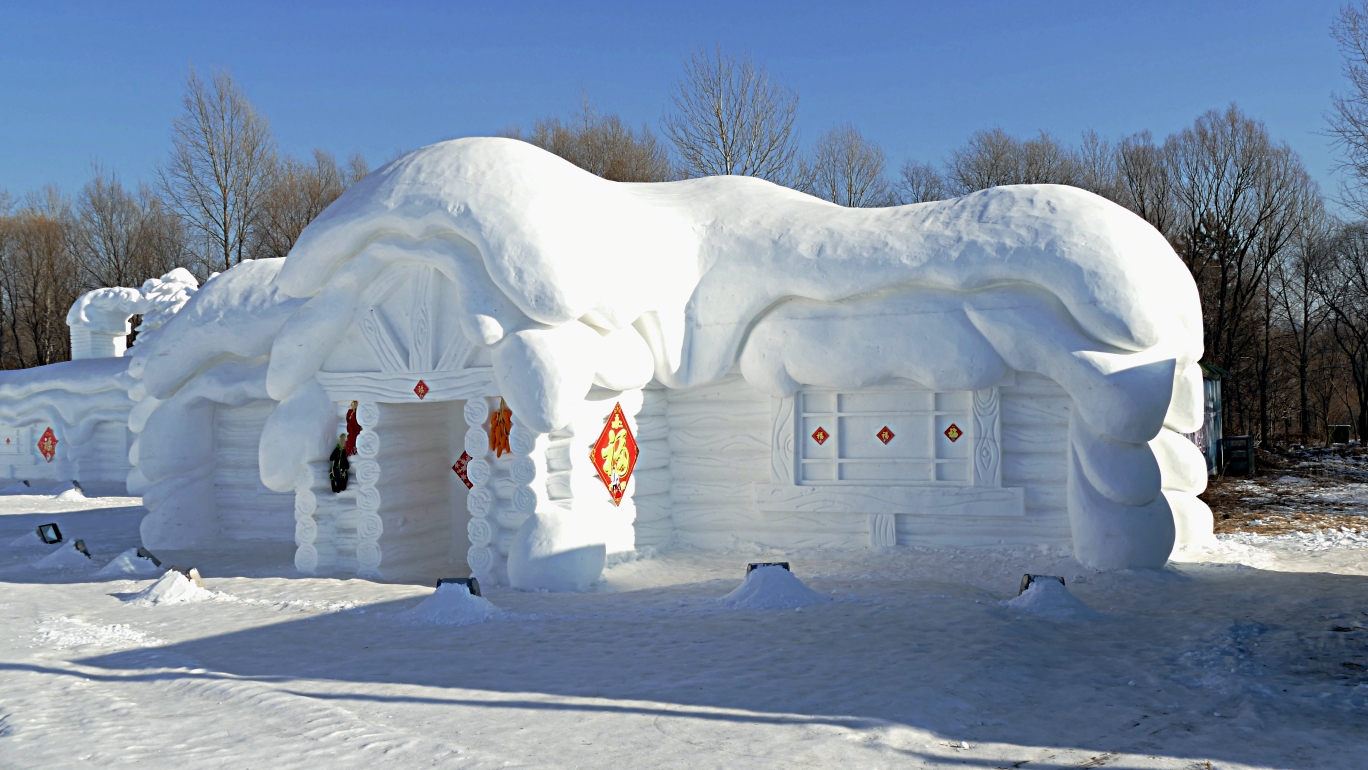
885	435
421	389
820	436
47	444
953	433
615	454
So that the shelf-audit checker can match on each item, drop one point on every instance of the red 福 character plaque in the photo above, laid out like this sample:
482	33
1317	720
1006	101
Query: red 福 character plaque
48	445
615	454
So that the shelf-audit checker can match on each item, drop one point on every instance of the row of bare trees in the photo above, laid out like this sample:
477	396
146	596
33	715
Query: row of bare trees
1284	283
224	194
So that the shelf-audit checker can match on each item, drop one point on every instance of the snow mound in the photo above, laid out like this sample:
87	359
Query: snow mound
17	488
68	493
451	605
771	588
1049	598
129	563
26	541
65	557
173	588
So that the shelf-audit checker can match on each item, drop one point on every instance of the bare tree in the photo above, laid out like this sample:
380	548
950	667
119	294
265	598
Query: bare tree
1345	287
730	118
297	194
919	183
603	145
37	279
1145	180
1239	195
848	170
1297	277
220	168
120	238
1348	116
993	158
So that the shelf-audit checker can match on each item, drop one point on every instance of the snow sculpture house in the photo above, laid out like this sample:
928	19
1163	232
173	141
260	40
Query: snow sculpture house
69	421
1013	366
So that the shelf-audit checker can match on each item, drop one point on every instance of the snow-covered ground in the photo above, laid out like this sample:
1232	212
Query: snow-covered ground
1251	656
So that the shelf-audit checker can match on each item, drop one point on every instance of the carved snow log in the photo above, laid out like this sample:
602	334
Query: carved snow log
558	456
400	497
710	442
652	481
653	532
721	421
712	516
653	507
558	485
653	454
511	520
685	467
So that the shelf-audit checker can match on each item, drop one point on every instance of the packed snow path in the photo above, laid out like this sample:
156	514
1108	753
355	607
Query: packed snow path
914	663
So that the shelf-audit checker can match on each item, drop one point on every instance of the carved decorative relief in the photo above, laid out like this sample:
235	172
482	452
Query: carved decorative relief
781	456
987	444
883	530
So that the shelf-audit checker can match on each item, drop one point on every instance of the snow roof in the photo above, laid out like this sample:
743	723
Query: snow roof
573	280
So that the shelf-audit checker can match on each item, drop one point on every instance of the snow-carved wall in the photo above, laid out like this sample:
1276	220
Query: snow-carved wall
85	404
199	383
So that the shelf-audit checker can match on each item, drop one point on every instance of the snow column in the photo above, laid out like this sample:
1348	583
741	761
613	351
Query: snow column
653	477
502	494
326	523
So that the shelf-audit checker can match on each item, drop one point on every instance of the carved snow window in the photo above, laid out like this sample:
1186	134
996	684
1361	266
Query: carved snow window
888	451
885	437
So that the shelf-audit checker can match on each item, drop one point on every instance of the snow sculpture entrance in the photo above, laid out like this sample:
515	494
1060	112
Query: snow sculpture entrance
421	402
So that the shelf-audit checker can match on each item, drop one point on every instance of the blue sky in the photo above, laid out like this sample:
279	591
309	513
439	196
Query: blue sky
81	82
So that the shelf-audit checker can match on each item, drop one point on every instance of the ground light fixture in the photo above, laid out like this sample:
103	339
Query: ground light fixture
49	533
189	572
143	553
1028	579
755	565
472	585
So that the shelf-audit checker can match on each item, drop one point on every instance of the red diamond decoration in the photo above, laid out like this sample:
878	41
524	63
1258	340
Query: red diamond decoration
953	433
48	445
820	436
885	435
615	454
460	468
421	389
